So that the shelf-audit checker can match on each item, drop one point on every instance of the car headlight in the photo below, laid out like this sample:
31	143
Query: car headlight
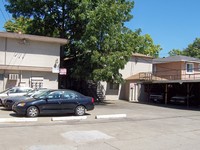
21	104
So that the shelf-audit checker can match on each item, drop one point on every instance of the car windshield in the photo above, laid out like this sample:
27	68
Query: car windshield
41	94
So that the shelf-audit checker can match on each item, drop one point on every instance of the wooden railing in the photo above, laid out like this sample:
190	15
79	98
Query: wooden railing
147	76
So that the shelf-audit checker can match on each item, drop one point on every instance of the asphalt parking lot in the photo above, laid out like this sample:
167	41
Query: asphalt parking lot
133	111
146	127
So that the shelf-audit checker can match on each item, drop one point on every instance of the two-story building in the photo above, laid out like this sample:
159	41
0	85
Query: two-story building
29	60
131	89
177	68
174	75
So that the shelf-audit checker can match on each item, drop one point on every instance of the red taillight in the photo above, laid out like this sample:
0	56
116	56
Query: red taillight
92	100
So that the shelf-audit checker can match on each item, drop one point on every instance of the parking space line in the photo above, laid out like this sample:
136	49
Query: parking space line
2	120
110	116
68	118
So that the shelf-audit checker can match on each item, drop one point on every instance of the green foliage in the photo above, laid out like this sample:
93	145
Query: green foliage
104	41
17	25
147	46
175	52
100	44
193	50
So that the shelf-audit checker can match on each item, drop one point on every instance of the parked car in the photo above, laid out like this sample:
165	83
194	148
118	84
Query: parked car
10	100
157	97
14	91
182	99
53	102
35	91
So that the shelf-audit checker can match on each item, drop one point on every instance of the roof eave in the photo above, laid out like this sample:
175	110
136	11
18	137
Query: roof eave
34	38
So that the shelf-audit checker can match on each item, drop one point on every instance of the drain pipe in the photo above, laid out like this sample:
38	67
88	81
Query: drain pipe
5	52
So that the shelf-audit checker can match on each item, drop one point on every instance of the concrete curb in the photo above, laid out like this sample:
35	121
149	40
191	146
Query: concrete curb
3	120
68	118
110	116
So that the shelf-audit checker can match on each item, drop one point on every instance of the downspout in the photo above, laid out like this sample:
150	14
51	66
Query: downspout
6	40
20	78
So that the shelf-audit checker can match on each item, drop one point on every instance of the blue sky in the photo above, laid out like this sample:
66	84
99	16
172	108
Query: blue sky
4	16
173	24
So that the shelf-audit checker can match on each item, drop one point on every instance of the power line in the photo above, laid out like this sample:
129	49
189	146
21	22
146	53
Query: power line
6	11
3	15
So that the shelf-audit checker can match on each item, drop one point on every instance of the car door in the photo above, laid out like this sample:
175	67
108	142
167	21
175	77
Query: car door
53	102
70	101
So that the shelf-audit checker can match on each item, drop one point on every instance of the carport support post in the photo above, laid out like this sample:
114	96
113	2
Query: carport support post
188	91
165	93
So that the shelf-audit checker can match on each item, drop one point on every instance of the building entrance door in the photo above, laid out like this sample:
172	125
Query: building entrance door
133	96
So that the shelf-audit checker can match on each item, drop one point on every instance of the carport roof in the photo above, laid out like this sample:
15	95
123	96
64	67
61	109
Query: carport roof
134	77
177	58
175	81
154	79
33	38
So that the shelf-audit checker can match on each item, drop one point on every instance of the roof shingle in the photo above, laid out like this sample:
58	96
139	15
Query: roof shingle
176	58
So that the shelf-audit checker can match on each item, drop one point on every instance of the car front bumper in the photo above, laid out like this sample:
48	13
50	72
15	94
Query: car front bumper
19	110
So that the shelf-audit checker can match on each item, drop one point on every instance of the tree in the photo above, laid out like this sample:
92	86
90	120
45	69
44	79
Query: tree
175	52
193	49
17	25
100	44
147	46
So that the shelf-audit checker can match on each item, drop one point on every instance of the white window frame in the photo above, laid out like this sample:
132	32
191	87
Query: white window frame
37	82
192	71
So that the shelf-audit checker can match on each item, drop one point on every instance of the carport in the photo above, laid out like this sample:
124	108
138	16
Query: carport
172	87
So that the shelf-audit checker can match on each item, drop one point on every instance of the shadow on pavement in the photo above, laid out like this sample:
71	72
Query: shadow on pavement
172	106
49	115
104	103
4	109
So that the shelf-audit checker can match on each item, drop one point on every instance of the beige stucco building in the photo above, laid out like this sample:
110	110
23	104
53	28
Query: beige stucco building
29	60
131	89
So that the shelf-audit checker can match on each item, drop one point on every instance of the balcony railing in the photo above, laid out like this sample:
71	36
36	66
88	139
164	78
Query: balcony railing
148	76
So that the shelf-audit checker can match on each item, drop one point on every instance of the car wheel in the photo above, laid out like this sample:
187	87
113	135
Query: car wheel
32	111
80	110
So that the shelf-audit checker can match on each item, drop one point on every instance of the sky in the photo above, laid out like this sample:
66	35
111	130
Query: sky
172	24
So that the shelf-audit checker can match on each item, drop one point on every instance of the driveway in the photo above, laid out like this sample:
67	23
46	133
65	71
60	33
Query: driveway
147	127
133	111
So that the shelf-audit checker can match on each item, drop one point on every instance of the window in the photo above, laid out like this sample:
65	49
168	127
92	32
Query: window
189	68
69	95
55	95
37	82
13	90
23	90
114	86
